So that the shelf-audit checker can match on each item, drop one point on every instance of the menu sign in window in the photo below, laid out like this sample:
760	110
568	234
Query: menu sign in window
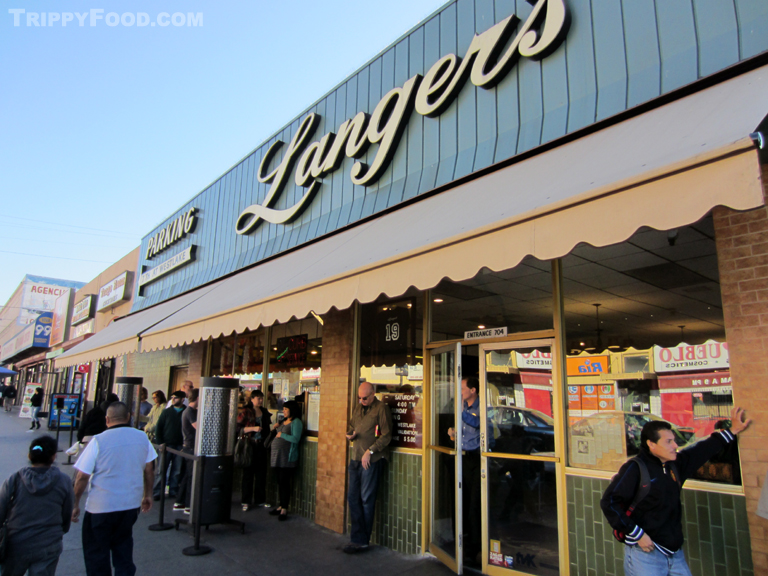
406	419
292	350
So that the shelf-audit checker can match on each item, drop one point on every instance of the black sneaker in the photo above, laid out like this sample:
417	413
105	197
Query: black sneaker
178	507
354	548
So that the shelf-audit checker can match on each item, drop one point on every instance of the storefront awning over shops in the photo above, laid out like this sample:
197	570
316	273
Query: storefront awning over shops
664	169
122	335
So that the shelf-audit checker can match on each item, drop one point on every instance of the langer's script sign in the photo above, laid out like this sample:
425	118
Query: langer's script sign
488	59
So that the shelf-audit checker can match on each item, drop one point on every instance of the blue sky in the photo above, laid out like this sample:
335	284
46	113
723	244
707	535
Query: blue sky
106	130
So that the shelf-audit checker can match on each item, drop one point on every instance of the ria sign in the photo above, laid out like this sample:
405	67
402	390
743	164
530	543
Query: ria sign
488	59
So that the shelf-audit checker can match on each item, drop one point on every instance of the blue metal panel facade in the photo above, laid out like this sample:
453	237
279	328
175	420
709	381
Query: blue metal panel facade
616	55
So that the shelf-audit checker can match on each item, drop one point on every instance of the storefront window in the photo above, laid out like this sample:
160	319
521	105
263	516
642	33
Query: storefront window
222	357
391	359
646	341
518	299
296	352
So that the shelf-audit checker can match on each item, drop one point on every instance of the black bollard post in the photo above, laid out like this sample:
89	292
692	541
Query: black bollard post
197	549
71	433
162	525
59	408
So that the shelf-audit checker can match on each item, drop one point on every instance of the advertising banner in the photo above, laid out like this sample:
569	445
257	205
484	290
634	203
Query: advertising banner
26	403
68	413
38	298
60	318
686	358
585	365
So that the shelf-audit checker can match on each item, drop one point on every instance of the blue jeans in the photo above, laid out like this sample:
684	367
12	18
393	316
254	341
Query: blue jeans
38	561
108	534
173	462
640	563
363	485
36	415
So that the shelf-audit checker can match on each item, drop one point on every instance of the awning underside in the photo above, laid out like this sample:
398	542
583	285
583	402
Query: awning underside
663	169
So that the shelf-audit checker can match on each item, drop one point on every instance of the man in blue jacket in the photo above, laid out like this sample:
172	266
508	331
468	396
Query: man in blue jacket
654	530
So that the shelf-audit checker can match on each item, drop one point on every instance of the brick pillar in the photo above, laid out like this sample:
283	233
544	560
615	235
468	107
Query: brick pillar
197	362
742	252
337	363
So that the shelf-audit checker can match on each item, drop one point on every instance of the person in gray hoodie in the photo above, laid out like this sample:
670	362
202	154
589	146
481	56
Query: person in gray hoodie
39	515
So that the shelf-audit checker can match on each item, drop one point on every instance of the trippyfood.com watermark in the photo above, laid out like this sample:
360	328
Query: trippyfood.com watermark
97	17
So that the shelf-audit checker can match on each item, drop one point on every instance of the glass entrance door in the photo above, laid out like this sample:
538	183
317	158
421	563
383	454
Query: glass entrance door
521	460
445	508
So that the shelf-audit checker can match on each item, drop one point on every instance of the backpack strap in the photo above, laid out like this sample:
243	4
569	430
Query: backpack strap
643	487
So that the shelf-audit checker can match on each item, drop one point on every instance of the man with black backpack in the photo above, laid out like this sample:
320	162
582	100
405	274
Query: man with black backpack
642	502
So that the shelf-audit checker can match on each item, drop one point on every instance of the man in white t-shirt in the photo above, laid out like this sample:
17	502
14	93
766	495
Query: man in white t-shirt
118	467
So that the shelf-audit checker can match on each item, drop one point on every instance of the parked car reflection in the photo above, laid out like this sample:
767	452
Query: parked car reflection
522	430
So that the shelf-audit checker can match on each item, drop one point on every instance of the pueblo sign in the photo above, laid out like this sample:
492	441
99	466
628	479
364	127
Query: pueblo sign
685	357
488	59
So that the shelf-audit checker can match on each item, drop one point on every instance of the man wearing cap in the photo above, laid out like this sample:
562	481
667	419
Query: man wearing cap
118	465
370	428
168	431
187	388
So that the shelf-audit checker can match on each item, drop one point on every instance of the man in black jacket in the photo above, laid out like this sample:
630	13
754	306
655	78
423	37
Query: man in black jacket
654	531
168	432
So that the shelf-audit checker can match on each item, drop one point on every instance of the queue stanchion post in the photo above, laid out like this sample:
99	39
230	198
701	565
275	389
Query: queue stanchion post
71	434
162	524
59	408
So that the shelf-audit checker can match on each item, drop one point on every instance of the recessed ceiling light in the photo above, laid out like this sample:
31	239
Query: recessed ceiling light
437	300
581	344
481	327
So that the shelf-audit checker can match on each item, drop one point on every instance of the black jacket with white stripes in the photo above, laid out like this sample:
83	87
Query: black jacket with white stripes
659	514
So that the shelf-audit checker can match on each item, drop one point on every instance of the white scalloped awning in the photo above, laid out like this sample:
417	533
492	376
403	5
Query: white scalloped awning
664	169
122	336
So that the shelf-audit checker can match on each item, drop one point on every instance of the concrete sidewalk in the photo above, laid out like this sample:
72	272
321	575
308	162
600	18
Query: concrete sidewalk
268	547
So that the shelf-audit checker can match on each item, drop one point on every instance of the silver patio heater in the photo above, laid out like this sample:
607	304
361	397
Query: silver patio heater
128	390
215	442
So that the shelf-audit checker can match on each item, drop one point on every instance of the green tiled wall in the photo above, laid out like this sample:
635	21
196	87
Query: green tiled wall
715	528
397	523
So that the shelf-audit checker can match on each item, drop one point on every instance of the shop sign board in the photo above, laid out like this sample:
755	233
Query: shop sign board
83	329
38	298
406	419
537	359
172	233
688	358
60	324
177	261
694	381
114	292
489	57
35	335
485	333
586	365
83	310
386	107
